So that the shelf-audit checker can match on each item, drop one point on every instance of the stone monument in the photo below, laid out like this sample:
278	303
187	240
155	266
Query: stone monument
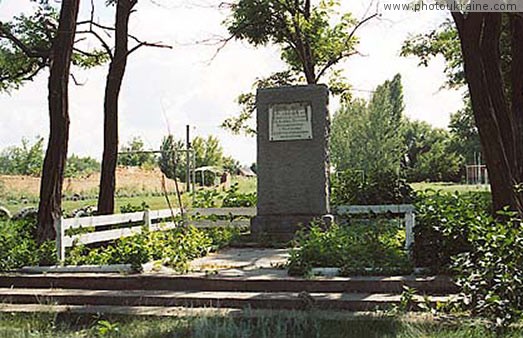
293	158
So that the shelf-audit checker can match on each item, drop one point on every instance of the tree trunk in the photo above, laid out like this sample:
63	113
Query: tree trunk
50	205
112	93
497	120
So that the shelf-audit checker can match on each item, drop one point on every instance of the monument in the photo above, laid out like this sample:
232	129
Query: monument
293	158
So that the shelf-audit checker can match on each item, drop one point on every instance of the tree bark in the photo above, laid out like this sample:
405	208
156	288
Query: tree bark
497	116
112	94
50	205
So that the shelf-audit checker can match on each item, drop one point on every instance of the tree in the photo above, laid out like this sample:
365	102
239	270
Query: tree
117	67
79	166
367	136
24	160
29	45
134	154
493	63
207	153
465	138
50	204
311	43
491	57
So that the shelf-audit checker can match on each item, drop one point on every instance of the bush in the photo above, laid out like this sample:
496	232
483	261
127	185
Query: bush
491	272
357	249
173	248
18	248
234	199
443	223
358	188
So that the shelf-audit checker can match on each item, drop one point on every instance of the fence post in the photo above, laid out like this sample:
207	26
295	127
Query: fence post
147	218
60	232
409	229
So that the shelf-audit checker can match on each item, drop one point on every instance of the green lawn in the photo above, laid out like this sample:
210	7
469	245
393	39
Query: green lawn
449	187
277	324
245	185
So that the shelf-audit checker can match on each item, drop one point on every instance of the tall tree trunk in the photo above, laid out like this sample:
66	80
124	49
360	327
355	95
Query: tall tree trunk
497	120
112	94
50	205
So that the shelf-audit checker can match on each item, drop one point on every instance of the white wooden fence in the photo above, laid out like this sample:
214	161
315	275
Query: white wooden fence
401	209
157	220
161	220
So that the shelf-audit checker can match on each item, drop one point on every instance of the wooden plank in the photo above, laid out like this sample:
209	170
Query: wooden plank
219	223
410	221
164	226
165	213
102	236
376	209
250	212
97	221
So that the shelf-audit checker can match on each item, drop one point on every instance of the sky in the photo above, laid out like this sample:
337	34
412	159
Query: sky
164	90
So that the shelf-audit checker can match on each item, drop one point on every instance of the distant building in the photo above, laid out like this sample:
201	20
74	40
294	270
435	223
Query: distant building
246	172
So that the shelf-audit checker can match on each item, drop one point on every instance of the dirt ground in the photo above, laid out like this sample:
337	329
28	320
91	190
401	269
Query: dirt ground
128	181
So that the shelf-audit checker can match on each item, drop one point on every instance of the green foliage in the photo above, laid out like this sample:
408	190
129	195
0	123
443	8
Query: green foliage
443	225
367	136
234	199
173	248
26	159
430	155
442	41
18	247
357	249
172	161
358	188
207	153
490	273
465	137
26	43
136	159
128	208
313	38
206	198
81	166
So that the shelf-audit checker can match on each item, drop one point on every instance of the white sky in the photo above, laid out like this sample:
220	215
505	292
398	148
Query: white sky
181	86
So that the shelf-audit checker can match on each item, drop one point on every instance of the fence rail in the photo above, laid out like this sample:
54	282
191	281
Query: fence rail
130	224
401	209
161	220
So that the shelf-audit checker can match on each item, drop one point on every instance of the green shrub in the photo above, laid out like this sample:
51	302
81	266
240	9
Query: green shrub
443	223
205	198
128	208
18	248
370	188
491	272
357	249
234	199
173	248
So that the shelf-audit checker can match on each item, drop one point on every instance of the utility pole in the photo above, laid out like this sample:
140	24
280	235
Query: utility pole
188	159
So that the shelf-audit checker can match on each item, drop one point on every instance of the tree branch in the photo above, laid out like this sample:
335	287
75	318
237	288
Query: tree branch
5	33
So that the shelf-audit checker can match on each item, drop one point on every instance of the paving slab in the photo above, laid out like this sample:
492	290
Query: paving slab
246	259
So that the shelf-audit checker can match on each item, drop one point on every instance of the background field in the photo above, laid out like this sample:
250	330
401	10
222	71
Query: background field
135	185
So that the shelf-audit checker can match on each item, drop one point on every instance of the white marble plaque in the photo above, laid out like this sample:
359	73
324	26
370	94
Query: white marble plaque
290	121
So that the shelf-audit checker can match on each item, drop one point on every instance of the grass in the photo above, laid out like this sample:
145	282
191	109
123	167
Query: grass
246	185
449	187
279	324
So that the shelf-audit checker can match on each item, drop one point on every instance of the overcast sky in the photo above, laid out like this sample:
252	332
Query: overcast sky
167	89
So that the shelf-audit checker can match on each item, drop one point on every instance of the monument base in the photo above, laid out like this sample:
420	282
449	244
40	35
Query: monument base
280	227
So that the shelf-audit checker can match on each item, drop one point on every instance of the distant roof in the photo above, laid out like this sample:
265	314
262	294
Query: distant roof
245	171
209	168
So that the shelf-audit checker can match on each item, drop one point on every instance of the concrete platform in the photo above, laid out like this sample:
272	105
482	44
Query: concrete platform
243	262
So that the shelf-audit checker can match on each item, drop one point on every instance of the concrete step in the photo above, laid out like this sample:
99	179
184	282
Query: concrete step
438	285
198	299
